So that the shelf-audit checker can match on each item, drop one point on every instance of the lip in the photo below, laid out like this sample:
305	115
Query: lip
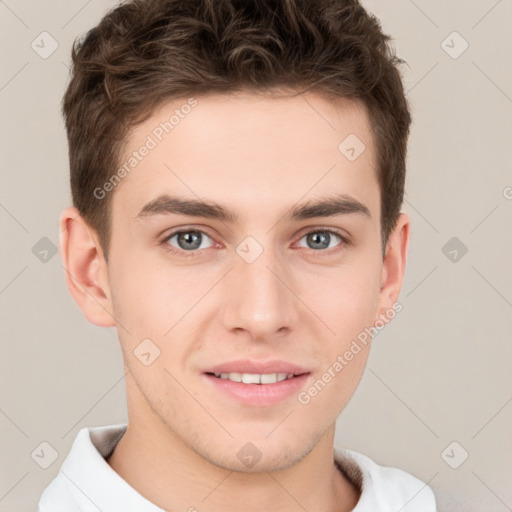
260	367
257	394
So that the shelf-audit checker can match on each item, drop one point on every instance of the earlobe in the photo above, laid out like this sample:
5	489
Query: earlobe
85	267
393	267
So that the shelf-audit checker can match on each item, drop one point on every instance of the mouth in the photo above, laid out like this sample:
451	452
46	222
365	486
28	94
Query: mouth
254	378
255	383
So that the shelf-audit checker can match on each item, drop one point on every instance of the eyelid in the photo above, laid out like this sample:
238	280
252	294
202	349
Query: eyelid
185	229
329	229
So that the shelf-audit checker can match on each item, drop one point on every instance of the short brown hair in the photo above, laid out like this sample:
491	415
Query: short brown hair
146	52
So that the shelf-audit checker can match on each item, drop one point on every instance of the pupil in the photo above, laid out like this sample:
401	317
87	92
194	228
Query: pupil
320	239
189	240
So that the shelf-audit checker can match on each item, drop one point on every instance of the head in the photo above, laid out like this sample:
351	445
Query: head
237	172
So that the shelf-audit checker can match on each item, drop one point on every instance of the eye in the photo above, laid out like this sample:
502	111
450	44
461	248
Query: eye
321	239
187	240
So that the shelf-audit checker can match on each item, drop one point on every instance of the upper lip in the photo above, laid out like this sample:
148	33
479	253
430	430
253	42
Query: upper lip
258	367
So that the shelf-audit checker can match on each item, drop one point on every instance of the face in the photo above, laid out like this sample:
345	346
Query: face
268	283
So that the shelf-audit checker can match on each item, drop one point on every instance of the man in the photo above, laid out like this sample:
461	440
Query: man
237	171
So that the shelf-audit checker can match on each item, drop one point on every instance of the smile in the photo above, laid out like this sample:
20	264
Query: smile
255	378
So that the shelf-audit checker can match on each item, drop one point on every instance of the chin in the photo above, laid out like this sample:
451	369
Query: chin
264	455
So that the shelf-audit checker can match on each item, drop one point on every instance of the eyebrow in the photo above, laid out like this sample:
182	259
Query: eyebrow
328	207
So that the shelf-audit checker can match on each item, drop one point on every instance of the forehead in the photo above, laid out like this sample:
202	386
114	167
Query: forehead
250	151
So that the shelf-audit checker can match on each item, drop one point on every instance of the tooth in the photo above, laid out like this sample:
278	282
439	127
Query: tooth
268	378
255	378
250	378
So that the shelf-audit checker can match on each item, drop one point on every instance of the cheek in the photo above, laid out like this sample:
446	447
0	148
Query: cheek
141	306
158	303
346	298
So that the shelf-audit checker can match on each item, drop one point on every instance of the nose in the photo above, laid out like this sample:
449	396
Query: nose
259	297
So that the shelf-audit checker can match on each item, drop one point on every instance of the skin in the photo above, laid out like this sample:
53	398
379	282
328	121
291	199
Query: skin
257	156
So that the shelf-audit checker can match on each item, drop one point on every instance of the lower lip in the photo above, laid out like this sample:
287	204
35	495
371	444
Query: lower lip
259	394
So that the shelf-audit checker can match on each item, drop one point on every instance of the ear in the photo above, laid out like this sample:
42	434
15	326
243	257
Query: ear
393	267
86	268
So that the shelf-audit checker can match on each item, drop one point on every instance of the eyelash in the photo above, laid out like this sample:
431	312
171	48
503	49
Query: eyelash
191	254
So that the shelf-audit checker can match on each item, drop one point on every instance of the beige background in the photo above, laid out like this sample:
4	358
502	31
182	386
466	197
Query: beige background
439	373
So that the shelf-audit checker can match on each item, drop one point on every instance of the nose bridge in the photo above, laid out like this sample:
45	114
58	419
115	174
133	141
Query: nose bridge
259	301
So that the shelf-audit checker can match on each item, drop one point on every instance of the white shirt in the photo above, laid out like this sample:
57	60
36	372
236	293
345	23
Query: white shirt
86	482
